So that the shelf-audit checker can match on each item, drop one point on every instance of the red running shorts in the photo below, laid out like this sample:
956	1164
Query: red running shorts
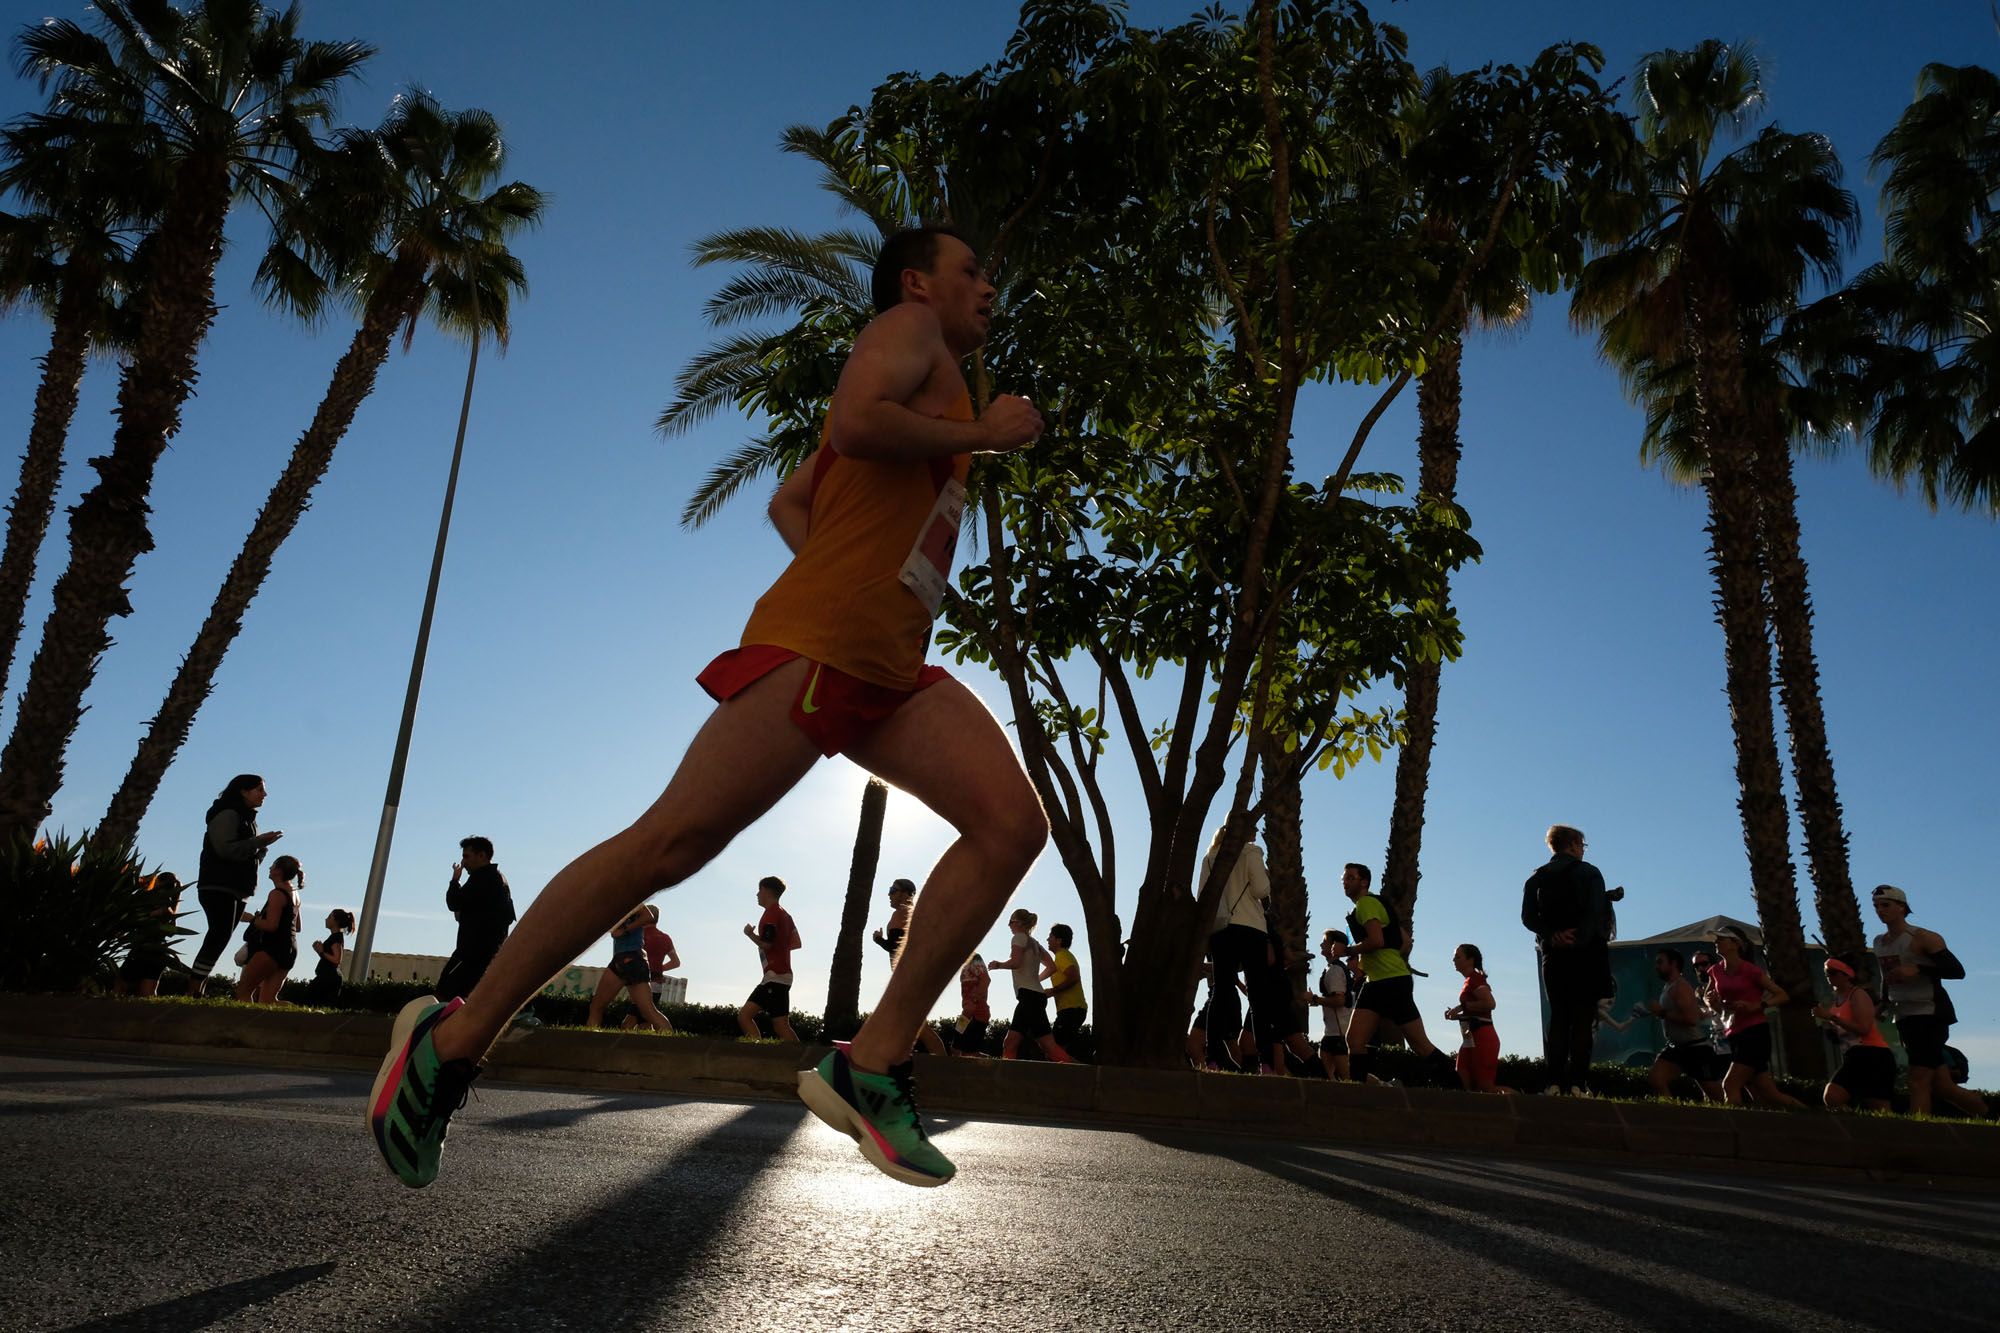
832	708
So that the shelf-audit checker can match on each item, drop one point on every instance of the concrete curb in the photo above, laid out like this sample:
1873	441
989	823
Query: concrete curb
1629	1134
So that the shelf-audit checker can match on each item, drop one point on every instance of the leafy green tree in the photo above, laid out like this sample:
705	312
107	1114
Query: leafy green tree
230	95
406	221
67	252
1718	243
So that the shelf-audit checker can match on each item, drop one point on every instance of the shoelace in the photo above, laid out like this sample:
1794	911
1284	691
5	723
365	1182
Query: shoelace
448	1080
906	1086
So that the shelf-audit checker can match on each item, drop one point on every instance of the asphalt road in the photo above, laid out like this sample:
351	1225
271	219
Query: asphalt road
164	1197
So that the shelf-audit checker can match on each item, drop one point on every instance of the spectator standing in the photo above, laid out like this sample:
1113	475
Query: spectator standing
1237	943
1388	987
1479	1048
276	951
326	982
1912	960
1336	991
974	1009
775	936
144	963
1030	965
1742	991
484	907
1867	1072
1564	905
231	849
1688	1050
1066	984
629	970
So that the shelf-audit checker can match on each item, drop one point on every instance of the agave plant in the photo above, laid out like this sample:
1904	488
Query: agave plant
69	906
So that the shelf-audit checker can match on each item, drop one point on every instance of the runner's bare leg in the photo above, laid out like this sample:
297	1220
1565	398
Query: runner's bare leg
944	748
745	757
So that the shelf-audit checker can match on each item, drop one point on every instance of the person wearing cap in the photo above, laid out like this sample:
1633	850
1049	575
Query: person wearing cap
1908	956
1867	1072
1741	990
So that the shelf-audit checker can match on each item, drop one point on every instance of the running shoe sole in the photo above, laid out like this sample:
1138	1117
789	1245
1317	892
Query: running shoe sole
390	1076
833	1109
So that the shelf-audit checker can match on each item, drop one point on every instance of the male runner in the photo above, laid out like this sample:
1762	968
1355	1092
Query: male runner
831	661
775	936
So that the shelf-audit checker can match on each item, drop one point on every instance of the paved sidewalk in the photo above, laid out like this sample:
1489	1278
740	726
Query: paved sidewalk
1932	1153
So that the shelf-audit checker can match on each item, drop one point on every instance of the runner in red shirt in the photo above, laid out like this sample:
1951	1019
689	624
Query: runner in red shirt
775	936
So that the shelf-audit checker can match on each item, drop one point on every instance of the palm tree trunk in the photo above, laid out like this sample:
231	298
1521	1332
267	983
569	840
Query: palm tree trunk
1284	840
843	988
108	531
1741	610
353	380
1798	689
42	465
1438	398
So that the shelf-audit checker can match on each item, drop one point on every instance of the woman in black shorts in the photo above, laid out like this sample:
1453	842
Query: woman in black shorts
1031	965
277	947
1867	1072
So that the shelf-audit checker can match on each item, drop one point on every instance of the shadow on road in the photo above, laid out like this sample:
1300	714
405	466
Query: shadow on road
202	1308
1660	1261
620	1263
577	1111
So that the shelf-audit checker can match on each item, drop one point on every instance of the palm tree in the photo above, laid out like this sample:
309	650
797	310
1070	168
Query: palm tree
231	96
1715	242
68	254
821	283
1933	304
403	220
843	987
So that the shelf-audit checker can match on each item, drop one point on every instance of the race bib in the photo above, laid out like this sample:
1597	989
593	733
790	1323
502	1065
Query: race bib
927	570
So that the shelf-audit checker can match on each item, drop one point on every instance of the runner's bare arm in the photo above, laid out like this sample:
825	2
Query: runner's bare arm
791	506
892	359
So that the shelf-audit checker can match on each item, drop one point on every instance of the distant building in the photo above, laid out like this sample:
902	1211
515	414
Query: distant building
576	980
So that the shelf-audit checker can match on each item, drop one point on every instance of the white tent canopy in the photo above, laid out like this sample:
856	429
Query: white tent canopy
1700	932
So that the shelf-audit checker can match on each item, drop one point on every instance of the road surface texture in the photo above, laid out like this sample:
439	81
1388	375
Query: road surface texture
161	1196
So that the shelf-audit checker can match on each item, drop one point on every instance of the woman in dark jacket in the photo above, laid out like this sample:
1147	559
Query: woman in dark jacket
231	848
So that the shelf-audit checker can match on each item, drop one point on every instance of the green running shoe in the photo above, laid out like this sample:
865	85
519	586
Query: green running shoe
879	1112
416	1094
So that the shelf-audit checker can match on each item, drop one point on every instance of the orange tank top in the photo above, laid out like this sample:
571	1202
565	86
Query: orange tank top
846	599
1873	1037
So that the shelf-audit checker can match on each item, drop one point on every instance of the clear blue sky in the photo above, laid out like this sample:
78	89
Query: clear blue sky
575	612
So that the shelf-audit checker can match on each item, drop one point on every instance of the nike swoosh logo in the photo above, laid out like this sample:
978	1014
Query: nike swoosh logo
806	705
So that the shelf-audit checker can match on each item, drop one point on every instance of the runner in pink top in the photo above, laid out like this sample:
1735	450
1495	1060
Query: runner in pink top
1741	991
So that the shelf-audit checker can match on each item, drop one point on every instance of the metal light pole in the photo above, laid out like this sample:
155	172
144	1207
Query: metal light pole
385	833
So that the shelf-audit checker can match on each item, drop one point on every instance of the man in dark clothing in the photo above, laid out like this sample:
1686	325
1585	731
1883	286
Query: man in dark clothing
1565	905
484	907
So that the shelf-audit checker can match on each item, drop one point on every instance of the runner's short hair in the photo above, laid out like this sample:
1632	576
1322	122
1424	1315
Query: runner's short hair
1063	933
1367	875
901	886
774	884
915	248
484	846
1340	935
1673	956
